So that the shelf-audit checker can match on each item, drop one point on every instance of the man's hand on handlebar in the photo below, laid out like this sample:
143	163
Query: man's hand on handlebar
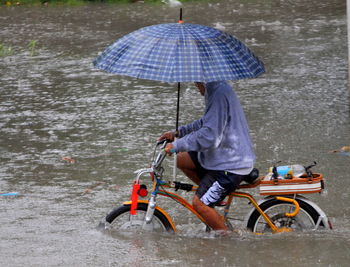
169	149
168	136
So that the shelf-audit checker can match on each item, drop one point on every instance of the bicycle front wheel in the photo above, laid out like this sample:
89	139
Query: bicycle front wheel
120	219
306	219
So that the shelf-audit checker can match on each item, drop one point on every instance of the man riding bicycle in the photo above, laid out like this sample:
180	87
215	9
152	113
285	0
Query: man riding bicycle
214	151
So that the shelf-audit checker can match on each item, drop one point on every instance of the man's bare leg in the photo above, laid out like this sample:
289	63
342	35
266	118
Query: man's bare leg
186	165
210	215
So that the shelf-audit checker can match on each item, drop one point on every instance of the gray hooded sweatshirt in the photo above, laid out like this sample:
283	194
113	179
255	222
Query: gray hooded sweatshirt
221	136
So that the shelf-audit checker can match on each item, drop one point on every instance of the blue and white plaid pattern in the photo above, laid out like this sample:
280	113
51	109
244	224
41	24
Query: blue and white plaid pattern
177	52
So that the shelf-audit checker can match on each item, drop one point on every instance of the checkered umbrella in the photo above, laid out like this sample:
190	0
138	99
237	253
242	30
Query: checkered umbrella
180	52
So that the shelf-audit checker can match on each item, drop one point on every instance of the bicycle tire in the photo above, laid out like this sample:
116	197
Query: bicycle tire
306	219
120	219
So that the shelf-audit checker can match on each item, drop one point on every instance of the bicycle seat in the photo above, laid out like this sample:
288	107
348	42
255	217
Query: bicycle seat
252	177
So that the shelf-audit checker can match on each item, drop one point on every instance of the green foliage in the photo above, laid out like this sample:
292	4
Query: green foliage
115	1
5	50
32	47
65	2
74	2
43	2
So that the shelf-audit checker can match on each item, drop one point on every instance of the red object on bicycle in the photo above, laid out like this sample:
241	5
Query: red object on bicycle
134	198
143	191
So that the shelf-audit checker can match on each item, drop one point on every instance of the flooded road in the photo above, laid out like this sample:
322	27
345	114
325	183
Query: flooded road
71	136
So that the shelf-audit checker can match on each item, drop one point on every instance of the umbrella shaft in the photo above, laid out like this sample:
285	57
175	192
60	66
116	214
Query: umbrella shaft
177	124
175	167
177	107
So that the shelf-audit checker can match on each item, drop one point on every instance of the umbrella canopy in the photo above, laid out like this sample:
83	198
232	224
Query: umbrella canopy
180	52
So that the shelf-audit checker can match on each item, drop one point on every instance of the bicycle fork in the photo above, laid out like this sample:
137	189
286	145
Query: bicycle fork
149	214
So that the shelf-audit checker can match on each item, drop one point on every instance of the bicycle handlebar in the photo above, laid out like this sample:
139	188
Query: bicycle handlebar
158	160
160	142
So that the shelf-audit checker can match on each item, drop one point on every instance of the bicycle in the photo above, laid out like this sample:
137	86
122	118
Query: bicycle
283	209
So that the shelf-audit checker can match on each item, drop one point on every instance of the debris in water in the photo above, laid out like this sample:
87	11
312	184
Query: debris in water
69	159
9	194
345	151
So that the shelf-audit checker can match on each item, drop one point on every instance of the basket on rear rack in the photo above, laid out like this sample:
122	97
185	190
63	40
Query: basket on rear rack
296	185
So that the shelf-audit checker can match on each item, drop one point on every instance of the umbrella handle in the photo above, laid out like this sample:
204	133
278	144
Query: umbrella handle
175	168
175	164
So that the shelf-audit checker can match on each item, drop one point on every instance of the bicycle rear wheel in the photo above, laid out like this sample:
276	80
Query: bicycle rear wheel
306	219
120	219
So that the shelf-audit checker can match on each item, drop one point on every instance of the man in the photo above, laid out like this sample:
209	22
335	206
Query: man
215	151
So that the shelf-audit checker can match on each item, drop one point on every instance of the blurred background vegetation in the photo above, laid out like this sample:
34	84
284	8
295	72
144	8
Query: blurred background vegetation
78	2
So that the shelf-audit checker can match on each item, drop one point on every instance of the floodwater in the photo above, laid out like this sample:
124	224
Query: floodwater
71	136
